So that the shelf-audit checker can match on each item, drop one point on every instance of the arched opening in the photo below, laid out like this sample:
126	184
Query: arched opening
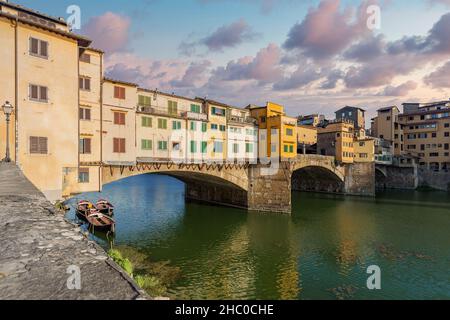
380	179
317	179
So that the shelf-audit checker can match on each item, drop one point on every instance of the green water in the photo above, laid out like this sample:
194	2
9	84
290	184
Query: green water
322	251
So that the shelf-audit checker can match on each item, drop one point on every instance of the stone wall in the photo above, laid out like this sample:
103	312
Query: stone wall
269	193
316	179
360	179
435	180
392	177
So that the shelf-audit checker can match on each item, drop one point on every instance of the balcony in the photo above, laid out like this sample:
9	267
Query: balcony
241	120
194	116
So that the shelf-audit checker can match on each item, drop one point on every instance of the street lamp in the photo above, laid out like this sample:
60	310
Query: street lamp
7	110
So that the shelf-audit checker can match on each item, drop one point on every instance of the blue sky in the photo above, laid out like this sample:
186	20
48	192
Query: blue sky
253	68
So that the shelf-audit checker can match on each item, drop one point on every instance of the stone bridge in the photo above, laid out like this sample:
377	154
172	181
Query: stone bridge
257	187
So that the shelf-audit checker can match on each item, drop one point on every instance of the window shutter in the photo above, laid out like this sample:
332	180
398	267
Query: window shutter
34	147
116	118
116	92
43	148
115	147
44	48
122	145
34	92
34	46
87	84
43	93
80	113
80	83
87	114
87	146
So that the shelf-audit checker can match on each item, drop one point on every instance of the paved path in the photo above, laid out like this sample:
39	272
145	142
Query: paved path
37	246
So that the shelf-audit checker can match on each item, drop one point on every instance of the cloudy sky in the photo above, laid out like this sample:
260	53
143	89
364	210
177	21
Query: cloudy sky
311	56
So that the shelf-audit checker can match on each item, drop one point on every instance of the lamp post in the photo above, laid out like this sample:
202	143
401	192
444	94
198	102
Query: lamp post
7	110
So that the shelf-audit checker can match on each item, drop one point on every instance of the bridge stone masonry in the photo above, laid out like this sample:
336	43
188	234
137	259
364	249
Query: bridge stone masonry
257	187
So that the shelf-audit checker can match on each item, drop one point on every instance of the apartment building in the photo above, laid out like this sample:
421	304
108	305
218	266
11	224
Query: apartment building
364	150
337	139
242	136
387	127
354	114
119	122
427	134
40	79
278	132
307	139
217	146
311	120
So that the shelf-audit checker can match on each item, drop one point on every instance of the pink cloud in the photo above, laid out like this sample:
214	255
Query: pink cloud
109	32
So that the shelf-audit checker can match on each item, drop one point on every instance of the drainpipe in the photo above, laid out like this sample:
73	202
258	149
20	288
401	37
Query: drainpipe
100	182
16	92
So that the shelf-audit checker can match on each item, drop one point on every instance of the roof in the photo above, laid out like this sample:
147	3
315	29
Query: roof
82	41
387	108
350	107
167	94
32	11
121	82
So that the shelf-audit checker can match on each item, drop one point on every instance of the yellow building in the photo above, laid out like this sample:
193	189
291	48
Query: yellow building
217	130
306	135
364	150
40	78
278	132
119	122
336	139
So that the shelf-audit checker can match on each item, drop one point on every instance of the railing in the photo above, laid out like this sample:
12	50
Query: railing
165	112
237	119
194	116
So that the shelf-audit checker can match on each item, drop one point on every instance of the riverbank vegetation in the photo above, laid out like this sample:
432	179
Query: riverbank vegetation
154	277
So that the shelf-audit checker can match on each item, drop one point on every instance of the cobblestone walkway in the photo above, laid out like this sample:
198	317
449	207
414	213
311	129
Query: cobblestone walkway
37	246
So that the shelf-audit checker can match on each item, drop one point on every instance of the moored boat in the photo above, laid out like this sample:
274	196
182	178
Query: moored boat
100	221
84	208
105	207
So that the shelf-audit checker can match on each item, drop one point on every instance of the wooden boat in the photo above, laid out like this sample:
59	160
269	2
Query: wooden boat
101	222
84	208
105	207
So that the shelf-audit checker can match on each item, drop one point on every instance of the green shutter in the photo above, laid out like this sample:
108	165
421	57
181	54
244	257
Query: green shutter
291	149
204	127
193	147
204	147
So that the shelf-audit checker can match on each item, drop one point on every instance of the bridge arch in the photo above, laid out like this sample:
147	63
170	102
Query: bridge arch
380	178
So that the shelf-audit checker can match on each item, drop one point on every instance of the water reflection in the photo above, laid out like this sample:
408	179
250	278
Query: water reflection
320	252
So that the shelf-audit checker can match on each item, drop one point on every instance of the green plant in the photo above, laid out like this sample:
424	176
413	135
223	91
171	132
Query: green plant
124	263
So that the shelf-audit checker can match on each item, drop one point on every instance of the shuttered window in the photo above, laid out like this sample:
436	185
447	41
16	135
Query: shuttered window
147	122
119	93
85	114
162	145
38	93
38	48
173	107
195	108
38	145
119	145
146	144
176	125
162	123
85	145
144	101
85	83
119	118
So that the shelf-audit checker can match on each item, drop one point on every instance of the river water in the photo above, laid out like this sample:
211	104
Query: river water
322	251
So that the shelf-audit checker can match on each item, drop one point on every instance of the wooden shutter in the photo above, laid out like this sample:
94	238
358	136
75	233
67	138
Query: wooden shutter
34	145
122	145
43	93
81	113
43	148
87	84
34	46
87	146
87	114
115	145
117	92
116	118
44	49
34	92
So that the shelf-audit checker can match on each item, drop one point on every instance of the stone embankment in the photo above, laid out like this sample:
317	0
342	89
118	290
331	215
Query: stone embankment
41	252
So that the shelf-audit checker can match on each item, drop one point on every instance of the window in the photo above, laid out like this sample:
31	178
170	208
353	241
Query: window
119	93
286	148
118	145
204	147
83	175
193	147
223	128
144	101
291	149
204	127
193	126
263	119
172	107
146	144
289	132
119	118
434	154
85	83
162	123
249	147
447	125
85	146
434	135
195	108
38	48
86	58
85	114
446	134
147	122
38	93
218	111
447	146
214	127
235	148
218	147
162	145
176	146
38	145
176	125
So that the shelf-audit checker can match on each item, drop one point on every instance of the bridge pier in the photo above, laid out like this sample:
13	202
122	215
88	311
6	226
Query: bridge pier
360	179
